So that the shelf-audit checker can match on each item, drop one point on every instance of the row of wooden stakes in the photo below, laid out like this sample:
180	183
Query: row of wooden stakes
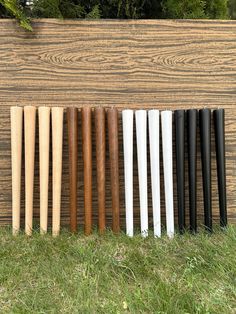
54	116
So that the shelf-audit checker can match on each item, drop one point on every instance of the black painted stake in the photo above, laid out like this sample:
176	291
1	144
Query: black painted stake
219	122
192	166
179	135
205	136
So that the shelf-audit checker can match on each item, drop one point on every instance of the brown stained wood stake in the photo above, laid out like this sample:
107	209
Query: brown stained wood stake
72	122
100	161
29	119
112	117
87	158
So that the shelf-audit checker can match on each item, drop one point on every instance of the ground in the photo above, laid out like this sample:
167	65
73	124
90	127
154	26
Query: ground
116	274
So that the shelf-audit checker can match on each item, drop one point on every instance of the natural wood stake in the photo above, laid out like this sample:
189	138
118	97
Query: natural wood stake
57	144
16	153
87	157
44	140
29	119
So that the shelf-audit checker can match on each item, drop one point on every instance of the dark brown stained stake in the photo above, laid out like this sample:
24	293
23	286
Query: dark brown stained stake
72	121
100	161
87	158
112	117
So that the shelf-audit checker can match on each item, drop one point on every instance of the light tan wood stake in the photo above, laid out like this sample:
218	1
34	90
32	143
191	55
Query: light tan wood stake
29	120
16	158
44	139
57	142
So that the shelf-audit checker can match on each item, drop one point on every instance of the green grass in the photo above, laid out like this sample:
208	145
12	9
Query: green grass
116	274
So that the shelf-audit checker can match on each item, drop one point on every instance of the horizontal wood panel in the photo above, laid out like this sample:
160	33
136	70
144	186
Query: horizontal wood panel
128	64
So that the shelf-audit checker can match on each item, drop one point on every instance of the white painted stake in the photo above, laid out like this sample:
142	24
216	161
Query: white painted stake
166	122
141	132
153	117
57	145
44	136
16	159
127	117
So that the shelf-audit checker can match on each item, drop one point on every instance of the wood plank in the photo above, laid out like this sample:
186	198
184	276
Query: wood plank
164	64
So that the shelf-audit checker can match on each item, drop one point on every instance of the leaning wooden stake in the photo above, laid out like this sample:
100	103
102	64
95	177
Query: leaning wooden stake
16	153
57	143
29	119
44	139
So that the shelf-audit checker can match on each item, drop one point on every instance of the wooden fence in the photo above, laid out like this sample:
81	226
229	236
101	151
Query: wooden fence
128	64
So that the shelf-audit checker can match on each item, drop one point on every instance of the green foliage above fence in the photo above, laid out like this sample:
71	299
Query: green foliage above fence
14	8
122	9
232	9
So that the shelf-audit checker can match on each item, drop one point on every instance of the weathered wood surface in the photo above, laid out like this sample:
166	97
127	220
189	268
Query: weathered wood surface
135	64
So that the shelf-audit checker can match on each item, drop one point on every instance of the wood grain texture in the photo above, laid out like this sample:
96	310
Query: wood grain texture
127	64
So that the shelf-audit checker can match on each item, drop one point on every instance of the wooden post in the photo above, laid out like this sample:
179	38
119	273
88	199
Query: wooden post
57	145
219	123
101	160
44	139
16	153
72	121
154	140
166	123
87	157
128	125
141	134
29	119
180	166
192	167
205	137
112	117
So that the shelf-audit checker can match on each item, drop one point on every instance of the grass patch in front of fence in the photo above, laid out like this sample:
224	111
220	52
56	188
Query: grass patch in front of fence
116	274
